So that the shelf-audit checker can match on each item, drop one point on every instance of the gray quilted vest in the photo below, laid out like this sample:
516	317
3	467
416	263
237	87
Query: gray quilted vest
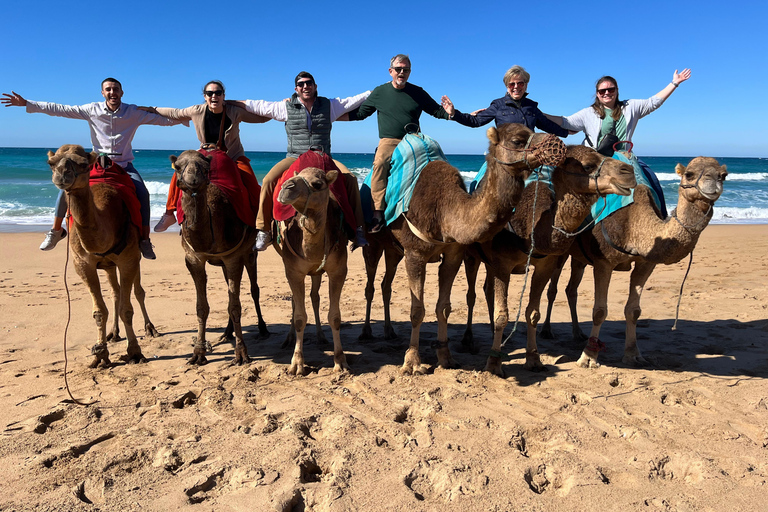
300	138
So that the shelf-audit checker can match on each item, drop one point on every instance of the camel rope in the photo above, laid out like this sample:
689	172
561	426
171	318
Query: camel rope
217	254
680	295
66	327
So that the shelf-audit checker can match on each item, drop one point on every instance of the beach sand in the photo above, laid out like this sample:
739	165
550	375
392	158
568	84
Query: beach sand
689	432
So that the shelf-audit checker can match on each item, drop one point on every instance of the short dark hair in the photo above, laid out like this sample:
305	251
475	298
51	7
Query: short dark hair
110	79
217	82
303	74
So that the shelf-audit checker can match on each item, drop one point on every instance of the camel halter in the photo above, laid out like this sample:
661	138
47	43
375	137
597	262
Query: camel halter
591	223
550	151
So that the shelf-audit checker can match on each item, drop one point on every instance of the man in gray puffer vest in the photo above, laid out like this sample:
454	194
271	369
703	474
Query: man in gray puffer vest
308	121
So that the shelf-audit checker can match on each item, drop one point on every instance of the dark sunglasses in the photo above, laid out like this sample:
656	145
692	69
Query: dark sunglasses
402	70
607	90
214	93
513	84
305	83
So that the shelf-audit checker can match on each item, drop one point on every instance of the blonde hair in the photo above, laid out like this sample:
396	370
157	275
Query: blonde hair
516	71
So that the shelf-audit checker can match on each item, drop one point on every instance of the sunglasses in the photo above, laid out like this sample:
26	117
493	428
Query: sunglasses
512	85
607	90
305	83
399	70
214	93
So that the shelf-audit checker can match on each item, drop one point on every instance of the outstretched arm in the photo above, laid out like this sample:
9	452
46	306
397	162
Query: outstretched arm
13	100
677	79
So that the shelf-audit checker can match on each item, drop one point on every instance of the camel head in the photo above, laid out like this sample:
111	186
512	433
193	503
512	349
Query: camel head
702	179
192	170
519	150
70	166
308	190
604	175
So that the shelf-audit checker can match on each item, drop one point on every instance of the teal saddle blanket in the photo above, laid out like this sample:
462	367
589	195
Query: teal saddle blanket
609	203
410	157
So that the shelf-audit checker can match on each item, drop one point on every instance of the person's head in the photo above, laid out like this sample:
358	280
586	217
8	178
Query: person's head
112	90
607	96
213	92
516	81
399	70
306	87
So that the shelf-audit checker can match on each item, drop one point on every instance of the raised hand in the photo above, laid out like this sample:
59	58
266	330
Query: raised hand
447	105
678	78
13	100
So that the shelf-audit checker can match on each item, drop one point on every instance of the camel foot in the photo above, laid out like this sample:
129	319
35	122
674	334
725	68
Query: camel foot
390	334
634	359
445	359
101	356
546	333
535	365
289	341
340	365
412	363
579	336
114	336
588	360
468	345
263	331
241	355
297	369
493	365
322	340
150	331
366	334
133	358
197	360
227	336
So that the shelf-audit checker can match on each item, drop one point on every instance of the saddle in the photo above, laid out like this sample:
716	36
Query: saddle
115	176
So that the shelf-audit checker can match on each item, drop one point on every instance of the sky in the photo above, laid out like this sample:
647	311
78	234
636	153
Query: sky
163	53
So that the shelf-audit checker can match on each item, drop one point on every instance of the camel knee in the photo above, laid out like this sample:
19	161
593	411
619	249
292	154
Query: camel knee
443	311
533	316
500	322
334	320
599	315
370	290
417	314
100	318
632	314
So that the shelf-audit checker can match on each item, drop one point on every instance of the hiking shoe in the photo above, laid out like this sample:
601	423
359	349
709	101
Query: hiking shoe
167	220
360	240
146	249
52	238
263	240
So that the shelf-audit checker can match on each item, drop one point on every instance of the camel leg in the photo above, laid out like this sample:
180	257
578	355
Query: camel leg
336	280
299	323
500	276
127	279
371	256
229	331
314	295
602	273
471	267
235	309
392	259
637	280
572	292
290	338
541	274
546	327
416	266
100	314
138	291
450	265
114	335
251	267
197	271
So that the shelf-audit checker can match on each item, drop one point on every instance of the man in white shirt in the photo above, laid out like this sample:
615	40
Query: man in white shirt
308	119
113	125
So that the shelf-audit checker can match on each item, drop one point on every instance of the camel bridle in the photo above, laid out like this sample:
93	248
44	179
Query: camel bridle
589	225
550	151
710	202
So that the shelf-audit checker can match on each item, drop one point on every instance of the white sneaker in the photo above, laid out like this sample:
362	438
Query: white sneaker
52	238
167	220
146	249
263	240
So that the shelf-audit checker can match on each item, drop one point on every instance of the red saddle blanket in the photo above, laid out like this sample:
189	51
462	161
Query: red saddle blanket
240	187
338	188
119	179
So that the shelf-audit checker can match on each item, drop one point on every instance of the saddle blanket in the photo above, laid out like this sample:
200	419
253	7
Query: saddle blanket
116	177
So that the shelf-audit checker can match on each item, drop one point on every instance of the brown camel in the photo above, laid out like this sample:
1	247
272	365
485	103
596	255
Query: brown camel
380	244
213	233
102	237
311	243
578	182
637	233
448	219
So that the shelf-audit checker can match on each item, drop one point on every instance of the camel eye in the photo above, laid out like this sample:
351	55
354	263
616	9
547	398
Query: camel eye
689	175
317	185
590	167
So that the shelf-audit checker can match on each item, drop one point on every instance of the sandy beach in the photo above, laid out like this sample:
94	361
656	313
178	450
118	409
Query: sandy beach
688	432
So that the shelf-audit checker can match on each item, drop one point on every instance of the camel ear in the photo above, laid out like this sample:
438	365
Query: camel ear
493	135
92	157
331	176
173	159
50	154
680	169
724	167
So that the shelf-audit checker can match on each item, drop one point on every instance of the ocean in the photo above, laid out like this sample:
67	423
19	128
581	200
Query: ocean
27	195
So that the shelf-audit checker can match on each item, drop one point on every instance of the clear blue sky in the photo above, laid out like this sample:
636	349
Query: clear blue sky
163	52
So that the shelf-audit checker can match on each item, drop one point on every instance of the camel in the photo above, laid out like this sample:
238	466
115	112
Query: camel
102	237
637	233
380	244
578	182
213	233
445	219
311	243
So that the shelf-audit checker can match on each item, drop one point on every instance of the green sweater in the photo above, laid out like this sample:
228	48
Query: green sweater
397	108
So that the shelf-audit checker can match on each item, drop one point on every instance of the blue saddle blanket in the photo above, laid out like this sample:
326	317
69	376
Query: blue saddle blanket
542	174
411	155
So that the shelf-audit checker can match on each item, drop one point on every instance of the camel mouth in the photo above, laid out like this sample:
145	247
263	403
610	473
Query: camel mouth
621	190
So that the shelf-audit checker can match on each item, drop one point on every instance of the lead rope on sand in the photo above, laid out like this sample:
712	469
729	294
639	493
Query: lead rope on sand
66	328
528	262
680	295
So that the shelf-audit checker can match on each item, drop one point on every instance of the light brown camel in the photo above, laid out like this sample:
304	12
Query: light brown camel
637	233
313	242
213	233
450	218
102	237
578	182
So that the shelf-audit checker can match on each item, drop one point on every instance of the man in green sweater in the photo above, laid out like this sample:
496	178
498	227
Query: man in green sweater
398	104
